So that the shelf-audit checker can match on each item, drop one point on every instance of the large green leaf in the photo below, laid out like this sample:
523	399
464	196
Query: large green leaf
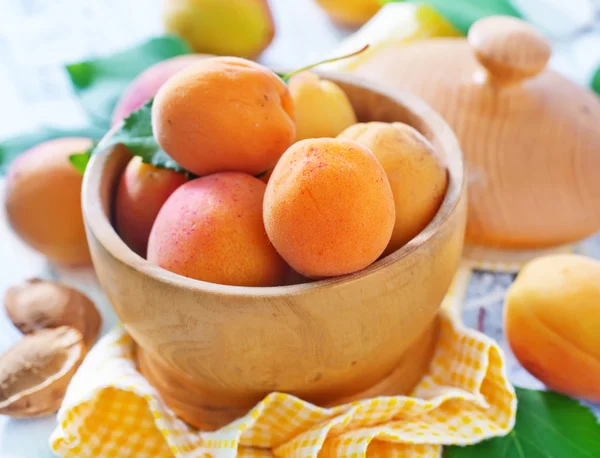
462	13
100	82
12	147
549	425
136	134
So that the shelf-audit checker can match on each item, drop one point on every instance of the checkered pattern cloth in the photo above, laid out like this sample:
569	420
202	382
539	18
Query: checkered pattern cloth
111	411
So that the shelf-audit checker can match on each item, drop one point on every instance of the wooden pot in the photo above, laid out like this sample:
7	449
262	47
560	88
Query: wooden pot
531	138
214	351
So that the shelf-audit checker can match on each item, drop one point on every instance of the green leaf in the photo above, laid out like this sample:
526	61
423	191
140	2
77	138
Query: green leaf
463	13
136	134
596	81
549	425
12	147
284	77
80	160
100	82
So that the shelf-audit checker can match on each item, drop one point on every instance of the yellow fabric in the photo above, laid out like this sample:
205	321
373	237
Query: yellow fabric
111	411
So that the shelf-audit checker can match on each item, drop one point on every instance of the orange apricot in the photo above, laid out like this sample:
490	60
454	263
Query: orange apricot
328	208
146	84
551	320
212	229
43	200
417	174
142	191
350	13
224	114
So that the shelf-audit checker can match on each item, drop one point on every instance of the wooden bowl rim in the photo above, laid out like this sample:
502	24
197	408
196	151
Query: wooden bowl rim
107	236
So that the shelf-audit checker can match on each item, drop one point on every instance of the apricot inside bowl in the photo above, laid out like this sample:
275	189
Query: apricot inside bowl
213	351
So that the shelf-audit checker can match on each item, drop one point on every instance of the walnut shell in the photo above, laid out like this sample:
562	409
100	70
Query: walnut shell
35	372
39	304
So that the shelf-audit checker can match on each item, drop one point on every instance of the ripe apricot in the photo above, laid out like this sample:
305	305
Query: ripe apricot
142	191
146	84
417	174
224	114
211	229
242	28
321	107
328	208
43	200
350	13
552	318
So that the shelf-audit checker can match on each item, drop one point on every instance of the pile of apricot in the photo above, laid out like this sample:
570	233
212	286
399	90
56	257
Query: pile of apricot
289	184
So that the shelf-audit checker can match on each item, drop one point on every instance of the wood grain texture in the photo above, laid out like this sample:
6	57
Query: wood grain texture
220	349
207	411
532	148
509	49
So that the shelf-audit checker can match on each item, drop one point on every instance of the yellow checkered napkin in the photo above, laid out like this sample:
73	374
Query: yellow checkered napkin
111	411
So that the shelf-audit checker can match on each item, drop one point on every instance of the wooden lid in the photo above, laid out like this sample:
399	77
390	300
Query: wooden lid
530	137
508	49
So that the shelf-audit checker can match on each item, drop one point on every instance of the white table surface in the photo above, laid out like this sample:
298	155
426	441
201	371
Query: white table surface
38	36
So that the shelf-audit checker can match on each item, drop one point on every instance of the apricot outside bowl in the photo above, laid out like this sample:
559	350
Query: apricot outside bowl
213	351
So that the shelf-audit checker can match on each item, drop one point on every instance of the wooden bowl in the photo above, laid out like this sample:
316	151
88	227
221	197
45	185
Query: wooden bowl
214	351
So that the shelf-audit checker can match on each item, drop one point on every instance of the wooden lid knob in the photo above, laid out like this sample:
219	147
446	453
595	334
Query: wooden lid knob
510	49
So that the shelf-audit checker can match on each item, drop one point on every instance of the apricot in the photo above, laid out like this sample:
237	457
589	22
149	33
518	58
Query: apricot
321	107
211	229
417	174
224	114
329	208
43	200
351	13
146	84
142	191
552	318
242	28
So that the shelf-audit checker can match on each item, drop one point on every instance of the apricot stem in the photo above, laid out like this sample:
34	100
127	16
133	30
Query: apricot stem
287	76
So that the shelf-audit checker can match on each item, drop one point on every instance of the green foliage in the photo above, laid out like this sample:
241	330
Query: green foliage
549	425
100	82
595	84
136	134
80	160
